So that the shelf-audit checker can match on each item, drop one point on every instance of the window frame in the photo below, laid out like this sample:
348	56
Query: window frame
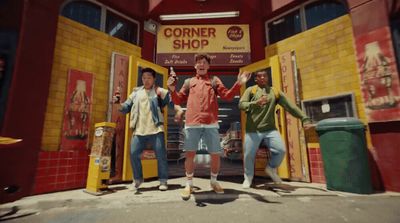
280	16
395	40
344	94
124	20
301	7
103	17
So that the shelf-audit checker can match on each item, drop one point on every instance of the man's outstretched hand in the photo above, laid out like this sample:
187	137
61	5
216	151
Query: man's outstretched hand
244	77
307	126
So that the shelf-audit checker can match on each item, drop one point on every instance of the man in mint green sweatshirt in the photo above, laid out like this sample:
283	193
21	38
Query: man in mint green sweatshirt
259	103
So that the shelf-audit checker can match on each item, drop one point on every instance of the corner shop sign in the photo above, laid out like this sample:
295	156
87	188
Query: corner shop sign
227	45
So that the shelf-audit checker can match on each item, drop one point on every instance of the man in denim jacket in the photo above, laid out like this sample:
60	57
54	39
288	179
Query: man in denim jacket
145	105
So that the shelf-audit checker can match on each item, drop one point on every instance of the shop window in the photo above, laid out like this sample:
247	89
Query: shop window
284	27
102	18
395	26
3	87
8	46
83	12
321	12
121	28
330	107
305	16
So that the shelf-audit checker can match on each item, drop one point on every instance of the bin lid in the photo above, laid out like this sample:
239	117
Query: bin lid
342	123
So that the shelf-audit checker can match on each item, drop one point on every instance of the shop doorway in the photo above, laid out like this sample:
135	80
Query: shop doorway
231	122
149	161
281	70
229	130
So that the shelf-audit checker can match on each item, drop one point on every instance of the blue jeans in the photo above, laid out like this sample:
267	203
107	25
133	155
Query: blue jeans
272	140
138	143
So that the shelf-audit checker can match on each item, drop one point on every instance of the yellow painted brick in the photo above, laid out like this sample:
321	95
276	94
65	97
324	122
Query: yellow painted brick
57	109
53	132
82	48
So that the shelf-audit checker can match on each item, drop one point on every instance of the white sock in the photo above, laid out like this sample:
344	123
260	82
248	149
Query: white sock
213	177
189	181
248	178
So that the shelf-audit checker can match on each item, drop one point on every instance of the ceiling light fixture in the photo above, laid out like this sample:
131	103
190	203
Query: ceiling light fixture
208	15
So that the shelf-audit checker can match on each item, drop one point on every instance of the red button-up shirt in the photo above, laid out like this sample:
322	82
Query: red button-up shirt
202	104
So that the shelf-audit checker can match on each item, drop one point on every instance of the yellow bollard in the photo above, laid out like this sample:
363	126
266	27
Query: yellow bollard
100	158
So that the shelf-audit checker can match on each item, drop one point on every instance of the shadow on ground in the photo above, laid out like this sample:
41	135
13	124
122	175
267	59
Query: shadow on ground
13	213
203	198
284	188
155	188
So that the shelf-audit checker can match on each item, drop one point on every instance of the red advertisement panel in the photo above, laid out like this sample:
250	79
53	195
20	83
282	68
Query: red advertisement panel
119	84
119	87
379	76
78	101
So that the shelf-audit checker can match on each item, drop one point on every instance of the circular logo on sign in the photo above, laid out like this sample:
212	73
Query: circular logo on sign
99	131
234	33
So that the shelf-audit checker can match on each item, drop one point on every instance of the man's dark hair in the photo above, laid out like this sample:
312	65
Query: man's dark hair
149	70
202	56
267	71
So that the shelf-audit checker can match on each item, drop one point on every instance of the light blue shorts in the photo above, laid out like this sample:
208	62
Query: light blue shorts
210	138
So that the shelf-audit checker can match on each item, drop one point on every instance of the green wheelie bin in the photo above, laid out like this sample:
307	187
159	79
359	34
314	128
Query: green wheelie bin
344	154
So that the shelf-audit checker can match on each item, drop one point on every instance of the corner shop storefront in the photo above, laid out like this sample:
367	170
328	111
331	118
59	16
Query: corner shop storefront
295	168
64	169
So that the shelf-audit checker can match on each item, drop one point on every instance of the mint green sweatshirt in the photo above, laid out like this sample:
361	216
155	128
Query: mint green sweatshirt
262	119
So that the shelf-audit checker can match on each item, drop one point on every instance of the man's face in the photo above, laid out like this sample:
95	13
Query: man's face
148	80
202	66
261	78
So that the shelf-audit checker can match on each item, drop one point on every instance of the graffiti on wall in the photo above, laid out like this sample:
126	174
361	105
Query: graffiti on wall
78	103
379	76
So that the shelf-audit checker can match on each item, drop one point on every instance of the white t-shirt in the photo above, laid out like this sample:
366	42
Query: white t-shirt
145	124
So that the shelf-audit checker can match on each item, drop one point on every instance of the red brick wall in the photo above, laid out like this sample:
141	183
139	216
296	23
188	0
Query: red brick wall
149	40
35	22
385	163
62	170
316	165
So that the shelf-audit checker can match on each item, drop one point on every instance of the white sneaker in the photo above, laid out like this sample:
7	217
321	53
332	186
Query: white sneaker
186	192
247	182
135	185
216	187
274	176
163	186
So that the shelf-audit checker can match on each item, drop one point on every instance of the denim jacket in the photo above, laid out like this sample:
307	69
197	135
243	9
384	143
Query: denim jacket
158	100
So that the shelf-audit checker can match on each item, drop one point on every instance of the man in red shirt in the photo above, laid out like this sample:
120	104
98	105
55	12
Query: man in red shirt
200	92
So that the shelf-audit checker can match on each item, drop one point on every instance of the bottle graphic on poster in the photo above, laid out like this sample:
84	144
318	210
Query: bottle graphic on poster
78	112
377	78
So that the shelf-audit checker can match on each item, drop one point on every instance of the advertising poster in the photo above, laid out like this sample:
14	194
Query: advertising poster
118	87
379	76
292	124
78	101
